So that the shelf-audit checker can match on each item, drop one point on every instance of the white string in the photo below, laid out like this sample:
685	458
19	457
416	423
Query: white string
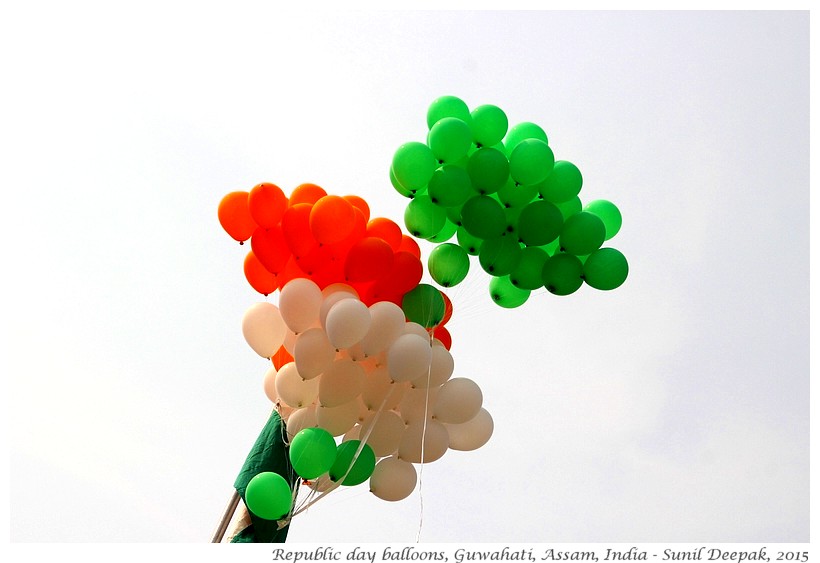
423	436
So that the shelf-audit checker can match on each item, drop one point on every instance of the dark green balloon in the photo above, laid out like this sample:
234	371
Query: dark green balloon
468	242
413	165
512	194
489	125
505	294
450	138
489	170
531	162
423	218
448	264
447	106
312	452
450	186
582	234
563	183
570	207
360	470
605	269
499	256
424	305
562	273
521	131
527	275
609	213
540	222
268	496
446	232
483	217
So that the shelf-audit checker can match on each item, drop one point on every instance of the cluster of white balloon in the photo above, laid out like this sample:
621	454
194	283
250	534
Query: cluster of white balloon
368	374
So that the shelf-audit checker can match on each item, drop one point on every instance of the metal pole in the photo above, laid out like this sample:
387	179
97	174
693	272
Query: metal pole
226	518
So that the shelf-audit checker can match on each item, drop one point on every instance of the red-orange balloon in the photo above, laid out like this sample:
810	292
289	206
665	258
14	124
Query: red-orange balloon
368	260
332	219
404	275
443	335
260	279
409	244
267	203
289	272
360	204
386	229
235	217
314	261
271	248
281	357
306	193
296	228
448	309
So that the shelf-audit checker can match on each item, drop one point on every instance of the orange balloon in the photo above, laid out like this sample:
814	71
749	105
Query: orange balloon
368	260
235	216
296	228
360	204
260	279
409	244
267	203
289	272
281	357
306	193
332	219
271	248
314	261
443	335
386	229
448	309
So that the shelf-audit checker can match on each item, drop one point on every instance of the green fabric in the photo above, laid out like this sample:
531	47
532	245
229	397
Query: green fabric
269	453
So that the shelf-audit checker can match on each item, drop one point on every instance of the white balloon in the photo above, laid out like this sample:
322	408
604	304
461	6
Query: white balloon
338	420
378	386
299	302
458	400
387	324
408	357
340	383
331	294
436	442
290	341
473	434
313	353
411	327
441	368
269	384
393	479
385	431
347	323
416	403
352	434
263	328
292	389
301	419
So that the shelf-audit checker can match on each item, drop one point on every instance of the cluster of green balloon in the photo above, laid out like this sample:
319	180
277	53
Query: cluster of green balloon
313	453
479	188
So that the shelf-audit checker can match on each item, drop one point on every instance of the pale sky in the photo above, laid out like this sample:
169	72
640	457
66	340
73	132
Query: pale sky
673	409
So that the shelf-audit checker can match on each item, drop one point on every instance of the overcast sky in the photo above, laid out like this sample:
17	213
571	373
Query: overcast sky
673	409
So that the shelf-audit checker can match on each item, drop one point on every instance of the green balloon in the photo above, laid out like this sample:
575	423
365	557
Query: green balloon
468	242
512	194
360	470
424	305
540	222
570	207
450	139
609	213
483	217
605	269
447	106
488	169
582	234
312	452
413	165
489	125
521	131
527	275
398	187
450	186
448	264
446	232
563	184
505	294
531	161
268	496
562	273
423	218
499	256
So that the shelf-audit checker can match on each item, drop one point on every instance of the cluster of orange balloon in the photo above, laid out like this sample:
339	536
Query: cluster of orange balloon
500	192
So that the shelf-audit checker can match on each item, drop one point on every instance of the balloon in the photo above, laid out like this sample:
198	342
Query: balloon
313	353
263	328
417	404
423	218
332	294
258	277
269	384
299	303
368	259
352	469
399	188
235	217
489	125
473	434
505	294
386	324
268	496
522	131
379	389
499	256
408	357
296	229
609	213
360	204
271	248
424	305
306	193
527	274
514	195
443	335
347	322
292	389
267	203
423	442
448	264
312	452
468	242
441	368
450	186
446	232
540	222
409	245
605	269
531	161
281	357
385	429
338	420
393	479
563	183
341	383
562	274
488	169
570	207
447	106
300	419
385	229
483	217
450	138
331	219
458	400
582	234
413	165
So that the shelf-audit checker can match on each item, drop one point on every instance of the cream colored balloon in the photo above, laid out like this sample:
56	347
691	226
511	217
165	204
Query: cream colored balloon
338	420
385	432
379	389
473	434
340	383
331	294
347	323
301	419
408	357
299	302
313	353
458	400
393	479
290	342
263	328
441	368
387	324
411	327
436	441
416	403
292	389
352	434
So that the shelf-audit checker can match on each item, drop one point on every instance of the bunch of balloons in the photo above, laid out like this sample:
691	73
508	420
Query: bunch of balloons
507	201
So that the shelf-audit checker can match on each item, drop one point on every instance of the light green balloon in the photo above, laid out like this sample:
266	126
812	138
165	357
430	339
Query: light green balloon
448	264
531	161
527	275
609	213
470	243
447	106
570	207
423	218
450	186
505	294
312	452
268	496
582	234
483	217
360	470
563	183
450	138
539	223
446	233
398	187
413	165
499	256
424	305
562	273
521	131
605	269
512	194
489	170
489	125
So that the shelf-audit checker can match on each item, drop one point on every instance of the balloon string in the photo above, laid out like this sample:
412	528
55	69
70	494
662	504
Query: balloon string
423	436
